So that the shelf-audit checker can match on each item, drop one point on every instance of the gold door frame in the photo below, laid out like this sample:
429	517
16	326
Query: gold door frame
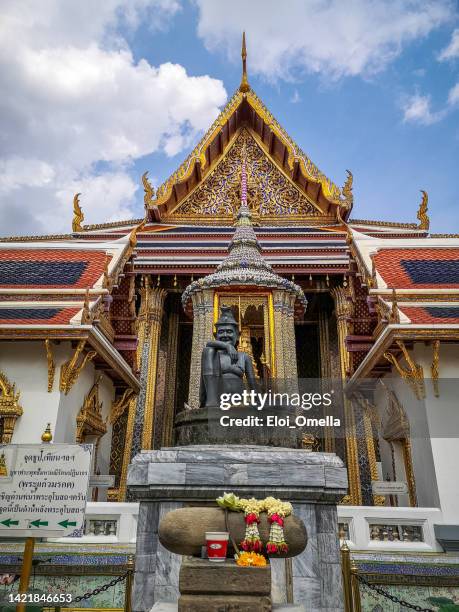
270	313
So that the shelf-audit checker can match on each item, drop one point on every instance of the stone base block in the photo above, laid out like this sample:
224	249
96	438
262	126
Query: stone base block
198	576
164	606
217	603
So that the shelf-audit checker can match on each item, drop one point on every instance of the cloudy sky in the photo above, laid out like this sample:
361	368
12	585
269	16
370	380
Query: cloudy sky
95	93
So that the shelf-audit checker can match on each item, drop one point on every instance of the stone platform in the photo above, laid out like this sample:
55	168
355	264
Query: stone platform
169	478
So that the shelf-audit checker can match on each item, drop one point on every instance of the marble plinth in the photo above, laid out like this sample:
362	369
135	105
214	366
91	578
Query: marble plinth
167	479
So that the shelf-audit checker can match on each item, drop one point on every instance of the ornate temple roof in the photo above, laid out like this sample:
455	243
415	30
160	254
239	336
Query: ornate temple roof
312	195
244	264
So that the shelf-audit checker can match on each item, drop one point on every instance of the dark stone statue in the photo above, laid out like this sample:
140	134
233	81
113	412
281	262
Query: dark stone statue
223	367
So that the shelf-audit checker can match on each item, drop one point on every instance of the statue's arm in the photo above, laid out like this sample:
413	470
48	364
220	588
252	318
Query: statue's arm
224	346
216	344
250	374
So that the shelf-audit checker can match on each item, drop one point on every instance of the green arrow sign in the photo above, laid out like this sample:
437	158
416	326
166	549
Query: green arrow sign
9	522
38	523
67	523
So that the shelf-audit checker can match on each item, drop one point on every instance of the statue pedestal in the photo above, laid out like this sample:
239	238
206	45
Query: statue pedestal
167	479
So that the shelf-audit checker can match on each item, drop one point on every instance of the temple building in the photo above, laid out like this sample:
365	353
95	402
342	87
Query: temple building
101	331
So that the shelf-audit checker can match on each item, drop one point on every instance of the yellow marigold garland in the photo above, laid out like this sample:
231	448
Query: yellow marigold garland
251	559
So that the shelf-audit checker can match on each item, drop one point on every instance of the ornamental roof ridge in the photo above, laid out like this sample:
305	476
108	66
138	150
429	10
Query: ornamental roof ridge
295	153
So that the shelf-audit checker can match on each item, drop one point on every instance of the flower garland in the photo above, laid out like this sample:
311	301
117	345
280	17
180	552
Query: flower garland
276	509
252	541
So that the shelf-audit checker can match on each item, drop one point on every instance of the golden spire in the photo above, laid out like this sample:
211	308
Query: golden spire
78	216
424	221
244	86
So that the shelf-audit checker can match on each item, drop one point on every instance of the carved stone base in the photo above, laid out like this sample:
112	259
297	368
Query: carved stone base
167	479
201	425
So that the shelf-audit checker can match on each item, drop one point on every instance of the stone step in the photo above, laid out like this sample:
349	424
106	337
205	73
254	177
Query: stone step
166	606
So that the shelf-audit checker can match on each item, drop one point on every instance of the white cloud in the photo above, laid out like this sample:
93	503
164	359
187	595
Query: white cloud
452	50
295	97
453	96
417	109
330	37
73	96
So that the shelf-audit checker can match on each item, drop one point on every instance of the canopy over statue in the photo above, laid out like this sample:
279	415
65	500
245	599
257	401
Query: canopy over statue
223	367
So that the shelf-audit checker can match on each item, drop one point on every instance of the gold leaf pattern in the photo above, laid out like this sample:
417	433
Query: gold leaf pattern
270	193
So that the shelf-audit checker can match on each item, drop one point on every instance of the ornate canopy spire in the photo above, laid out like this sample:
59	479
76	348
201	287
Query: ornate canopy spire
244	86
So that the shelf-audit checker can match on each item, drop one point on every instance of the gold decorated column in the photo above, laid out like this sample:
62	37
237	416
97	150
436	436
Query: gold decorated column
149	330
154	313
169	396
325	372
343	312
278	303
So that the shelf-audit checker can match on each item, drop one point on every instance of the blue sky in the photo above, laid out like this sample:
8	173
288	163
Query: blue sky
98	96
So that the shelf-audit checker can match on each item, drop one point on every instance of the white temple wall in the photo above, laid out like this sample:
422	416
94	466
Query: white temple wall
25	364
443	421
435	451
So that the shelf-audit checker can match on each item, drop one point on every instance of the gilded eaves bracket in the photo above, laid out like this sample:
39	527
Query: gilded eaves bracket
71	369
413	374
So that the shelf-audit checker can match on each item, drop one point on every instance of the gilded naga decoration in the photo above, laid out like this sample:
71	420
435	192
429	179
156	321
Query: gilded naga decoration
424	221
78	216
149	191
71	369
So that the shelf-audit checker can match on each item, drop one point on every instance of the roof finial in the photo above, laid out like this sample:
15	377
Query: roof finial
244	86
78	216
424	221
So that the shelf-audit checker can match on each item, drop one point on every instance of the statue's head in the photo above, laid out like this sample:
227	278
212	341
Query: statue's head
227	329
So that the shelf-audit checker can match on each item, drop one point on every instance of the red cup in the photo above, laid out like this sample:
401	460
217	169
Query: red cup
217	545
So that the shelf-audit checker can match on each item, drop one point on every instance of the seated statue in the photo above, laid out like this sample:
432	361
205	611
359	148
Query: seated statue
222	366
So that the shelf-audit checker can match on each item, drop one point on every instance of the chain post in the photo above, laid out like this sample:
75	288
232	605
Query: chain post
346	570
355	587
129	579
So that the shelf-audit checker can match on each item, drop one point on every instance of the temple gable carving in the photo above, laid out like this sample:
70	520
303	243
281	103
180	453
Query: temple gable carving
270	193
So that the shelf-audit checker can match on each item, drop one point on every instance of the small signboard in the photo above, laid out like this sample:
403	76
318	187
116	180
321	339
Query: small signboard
103	481
383	487
43	489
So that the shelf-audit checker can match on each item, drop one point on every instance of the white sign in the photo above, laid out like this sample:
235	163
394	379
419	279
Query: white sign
102	480
43	489
383	487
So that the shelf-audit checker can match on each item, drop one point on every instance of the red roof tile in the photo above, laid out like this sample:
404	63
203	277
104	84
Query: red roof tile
425	268
432	314
51	268
47	315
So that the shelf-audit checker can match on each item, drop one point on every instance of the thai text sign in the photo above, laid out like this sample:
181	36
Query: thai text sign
43	487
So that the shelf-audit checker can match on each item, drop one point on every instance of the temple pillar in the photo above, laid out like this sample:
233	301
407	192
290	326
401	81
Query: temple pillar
290	366
149	330
325	373
343	311
203	324
278	305
171	370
